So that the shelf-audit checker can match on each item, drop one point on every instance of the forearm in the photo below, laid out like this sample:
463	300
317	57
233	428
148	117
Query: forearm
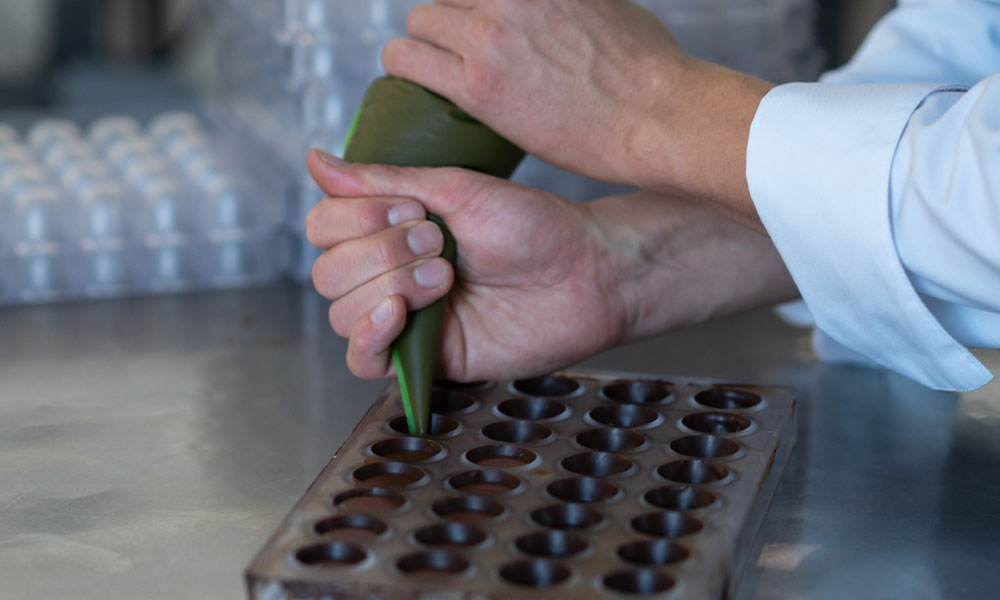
691	141
675	263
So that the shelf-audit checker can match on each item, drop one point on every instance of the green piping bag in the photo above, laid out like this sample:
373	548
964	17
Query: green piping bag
401	123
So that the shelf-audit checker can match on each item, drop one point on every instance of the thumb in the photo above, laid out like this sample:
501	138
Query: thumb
443	191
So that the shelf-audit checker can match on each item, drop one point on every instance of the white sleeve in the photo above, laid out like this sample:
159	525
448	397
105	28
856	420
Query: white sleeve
819	163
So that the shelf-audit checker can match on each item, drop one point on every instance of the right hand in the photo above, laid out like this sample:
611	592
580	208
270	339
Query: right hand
542	282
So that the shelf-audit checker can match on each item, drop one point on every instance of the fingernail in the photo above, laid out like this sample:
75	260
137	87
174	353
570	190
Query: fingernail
423	238
431	274
407	211
331	160
382	312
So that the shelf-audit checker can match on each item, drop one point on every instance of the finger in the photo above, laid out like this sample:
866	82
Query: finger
420	285
356	262
336	220
424	63
443	191
369	350
437	24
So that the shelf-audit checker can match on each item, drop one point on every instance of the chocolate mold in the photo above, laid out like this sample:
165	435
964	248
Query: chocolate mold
573	484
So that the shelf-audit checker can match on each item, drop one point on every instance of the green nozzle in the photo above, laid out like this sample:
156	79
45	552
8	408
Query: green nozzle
401	123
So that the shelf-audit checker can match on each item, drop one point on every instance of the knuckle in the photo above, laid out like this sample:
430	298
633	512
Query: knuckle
337	321
395	54
486	30
384	254
480	82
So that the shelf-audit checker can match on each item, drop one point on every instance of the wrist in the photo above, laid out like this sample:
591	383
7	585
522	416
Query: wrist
692	141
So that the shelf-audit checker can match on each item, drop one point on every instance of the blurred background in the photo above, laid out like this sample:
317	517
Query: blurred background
151	146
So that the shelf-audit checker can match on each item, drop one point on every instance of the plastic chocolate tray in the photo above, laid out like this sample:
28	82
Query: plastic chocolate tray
583	485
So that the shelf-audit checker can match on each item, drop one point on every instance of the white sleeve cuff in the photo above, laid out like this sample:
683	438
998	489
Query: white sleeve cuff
819	160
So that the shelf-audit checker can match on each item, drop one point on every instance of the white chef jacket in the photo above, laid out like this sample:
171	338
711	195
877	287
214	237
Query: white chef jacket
880	187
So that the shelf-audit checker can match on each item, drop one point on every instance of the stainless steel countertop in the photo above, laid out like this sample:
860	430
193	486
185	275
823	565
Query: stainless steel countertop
149	446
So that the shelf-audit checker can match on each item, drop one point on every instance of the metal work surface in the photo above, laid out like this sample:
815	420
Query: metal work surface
148	447
578	484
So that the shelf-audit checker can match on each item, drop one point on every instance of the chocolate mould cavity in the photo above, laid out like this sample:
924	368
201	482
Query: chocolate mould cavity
692	471
727	398
407	449
537	573
608	439
582	489
552	544
468	509
626	416
372	500
484	482
533	409
716	423
449	535
597	464
388	475
572	485
705	446
351	528
549	386
639	582
653	552
567	516
433	564
331	554
680	497
441	426
517	432
644	391
501	456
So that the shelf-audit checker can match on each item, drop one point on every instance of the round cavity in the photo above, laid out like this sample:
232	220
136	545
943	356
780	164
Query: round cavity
623	415
725	398
407	449
679	497
704	446
388	474
351	528
537	573
449	535
459	385
582	489
596	464
692	471
517	432
440	425
373	500
567	516
640	582
484	482
331	554
638	392
532	409
501	456
551	543
451	401
610	440
666	524
550	385
434	563
653	552
467	509
716	423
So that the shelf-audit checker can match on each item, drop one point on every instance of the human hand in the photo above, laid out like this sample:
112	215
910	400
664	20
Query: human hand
598	87
542	282
532	295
